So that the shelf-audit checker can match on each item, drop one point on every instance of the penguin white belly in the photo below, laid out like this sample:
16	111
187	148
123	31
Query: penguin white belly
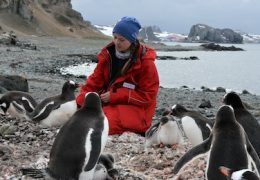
169	134
61	115
192	130
100	172
14	113
104	134
87	175
152	140
251	164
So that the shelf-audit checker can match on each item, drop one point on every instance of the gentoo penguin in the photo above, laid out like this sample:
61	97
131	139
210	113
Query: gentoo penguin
196	127
165	132
243	174
227	146
56	110
79	143
17	103
245	118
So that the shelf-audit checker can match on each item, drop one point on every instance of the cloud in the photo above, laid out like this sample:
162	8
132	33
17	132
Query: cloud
175	15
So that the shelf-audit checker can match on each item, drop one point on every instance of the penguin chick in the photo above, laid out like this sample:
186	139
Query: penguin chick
165	132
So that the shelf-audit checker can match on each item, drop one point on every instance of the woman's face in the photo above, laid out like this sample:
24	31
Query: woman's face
121	43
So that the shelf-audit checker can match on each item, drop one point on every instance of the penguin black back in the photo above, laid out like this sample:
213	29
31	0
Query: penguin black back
245	118
233	100
92	102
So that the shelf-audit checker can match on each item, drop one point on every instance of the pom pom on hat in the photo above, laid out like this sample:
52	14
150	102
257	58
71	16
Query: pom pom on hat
128	27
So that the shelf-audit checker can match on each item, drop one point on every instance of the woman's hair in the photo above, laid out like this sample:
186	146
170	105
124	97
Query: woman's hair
132	58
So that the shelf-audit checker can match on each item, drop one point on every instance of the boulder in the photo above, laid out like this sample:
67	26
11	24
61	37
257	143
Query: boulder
20	7
14	83
217	47
205	104
8	38
205	33
147	34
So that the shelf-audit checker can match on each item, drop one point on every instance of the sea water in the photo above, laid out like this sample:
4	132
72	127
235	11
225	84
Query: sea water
233	70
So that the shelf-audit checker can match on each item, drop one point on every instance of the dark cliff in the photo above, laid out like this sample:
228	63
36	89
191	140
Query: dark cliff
45	17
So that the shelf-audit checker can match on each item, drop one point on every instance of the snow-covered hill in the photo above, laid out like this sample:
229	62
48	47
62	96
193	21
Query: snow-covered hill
251	38
164	36
175	37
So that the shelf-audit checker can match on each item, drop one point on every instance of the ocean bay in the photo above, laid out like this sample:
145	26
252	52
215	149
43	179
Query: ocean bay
235	70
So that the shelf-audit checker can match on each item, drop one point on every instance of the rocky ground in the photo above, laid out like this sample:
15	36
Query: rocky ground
25	144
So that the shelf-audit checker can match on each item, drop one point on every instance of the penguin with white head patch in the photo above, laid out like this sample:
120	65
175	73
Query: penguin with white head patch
79	143
243	174
228	145
56	110
17	103
165	132
245	118
196	127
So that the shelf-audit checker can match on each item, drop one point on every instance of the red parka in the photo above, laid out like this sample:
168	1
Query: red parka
132	95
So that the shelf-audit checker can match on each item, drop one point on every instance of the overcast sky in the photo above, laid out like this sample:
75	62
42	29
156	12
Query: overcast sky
175	15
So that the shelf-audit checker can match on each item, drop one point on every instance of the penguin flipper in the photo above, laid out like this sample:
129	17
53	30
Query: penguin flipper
29	106
18	106
45	112
150	132
95	151
193	153
253	154
107	160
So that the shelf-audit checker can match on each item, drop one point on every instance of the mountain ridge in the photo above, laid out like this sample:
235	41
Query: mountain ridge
45	17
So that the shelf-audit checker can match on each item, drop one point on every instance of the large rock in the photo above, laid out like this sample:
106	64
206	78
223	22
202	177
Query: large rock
217	47
20	7
204	33
8	38
156	29
45	17
147	34
14	83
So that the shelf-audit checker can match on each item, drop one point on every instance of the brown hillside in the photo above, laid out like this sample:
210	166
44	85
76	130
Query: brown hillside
46	17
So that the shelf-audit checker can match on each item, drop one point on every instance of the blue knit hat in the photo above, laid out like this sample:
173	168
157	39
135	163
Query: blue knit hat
128	27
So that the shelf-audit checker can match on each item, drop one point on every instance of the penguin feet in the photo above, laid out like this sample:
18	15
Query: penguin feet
161	145
113	173
174	146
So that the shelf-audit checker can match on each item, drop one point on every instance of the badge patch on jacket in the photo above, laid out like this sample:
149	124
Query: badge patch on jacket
129	85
